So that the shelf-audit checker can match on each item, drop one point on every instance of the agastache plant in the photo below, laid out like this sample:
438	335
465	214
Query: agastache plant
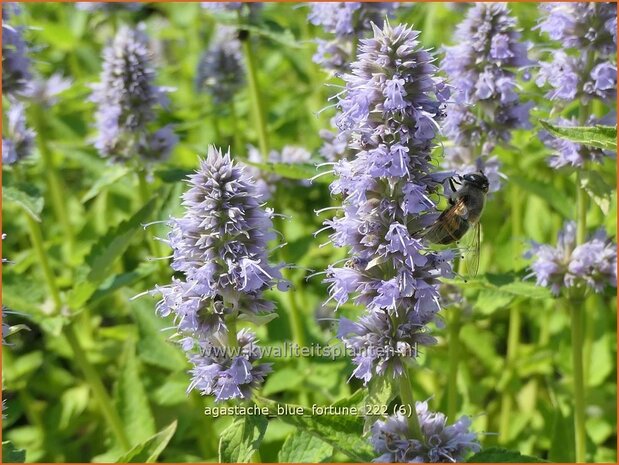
592	264
126	99
16	73
220	248
391	109
221	70
18	139
348	21
584	70
486	105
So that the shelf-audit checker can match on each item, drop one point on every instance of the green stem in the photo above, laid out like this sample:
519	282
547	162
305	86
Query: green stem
231	325
579	381
256	98
515	318
89	372
454	360
296	323
406	395
236	135
92	377
48	275
54	185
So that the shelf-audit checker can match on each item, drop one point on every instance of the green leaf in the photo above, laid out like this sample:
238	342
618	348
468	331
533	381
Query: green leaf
547	192
107	178
603	137
173	175
302	447
298	171
285	379
27	198
508	283
597	189
562	448
99	261
242	438
343	432
497	455
381	392
153	348
149	450
10	454
132	401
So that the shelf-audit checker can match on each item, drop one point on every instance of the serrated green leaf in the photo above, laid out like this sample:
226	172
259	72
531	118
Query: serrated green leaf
297	171
381	392
10	454
597	189
508	283
490	300
28	199
149	450
99	261
343	432
302	447
603	137
497	455
242	438
132	401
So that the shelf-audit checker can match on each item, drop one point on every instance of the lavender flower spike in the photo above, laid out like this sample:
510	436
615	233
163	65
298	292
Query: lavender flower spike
440	443
220	246
592	264
390	113
19	140
126	97
220	70
16	72
481	69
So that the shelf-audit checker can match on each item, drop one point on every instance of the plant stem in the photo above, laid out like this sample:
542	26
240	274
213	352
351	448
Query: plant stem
231	325
236	134
515	318
256	98
89	372
54	186
406	395
50	280
454	360
579	382
92	377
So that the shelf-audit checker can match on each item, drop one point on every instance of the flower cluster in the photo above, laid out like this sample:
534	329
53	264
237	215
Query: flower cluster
348	21
486	106
590	30
391	109
126	97
220	71
266	182
592	264
584	69
440	443
220	247
16	72
18	139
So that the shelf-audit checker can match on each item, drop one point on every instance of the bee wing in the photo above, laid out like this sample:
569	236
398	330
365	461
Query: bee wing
471	256
444	229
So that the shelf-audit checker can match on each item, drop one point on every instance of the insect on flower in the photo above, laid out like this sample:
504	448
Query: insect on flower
464	212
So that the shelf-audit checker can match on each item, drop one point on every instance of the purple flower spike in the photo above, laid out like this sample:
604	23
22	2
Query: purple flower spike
391	439
126	99
389	116
220	246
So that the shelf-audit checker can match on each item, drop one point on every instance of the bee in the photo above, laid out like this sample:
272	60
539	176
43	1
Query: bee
464	212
